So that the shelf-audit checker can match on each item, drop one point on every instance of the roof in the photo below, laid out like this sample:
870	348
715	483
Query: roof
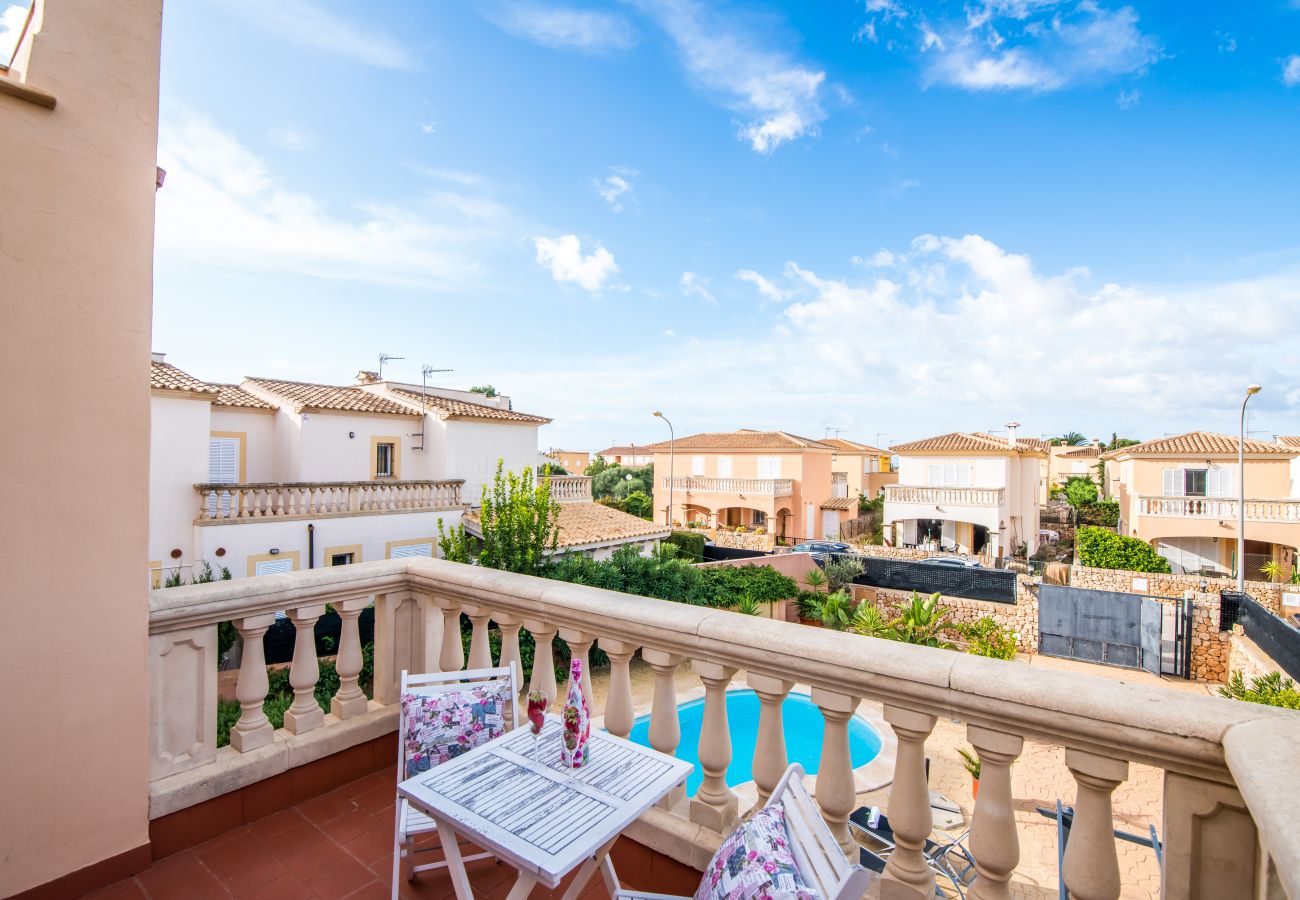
1090	450
587	524
969	442
305	396
853	446
744	439
1197	443
458	409
1289	440
234	395
840	503
625	450
166	377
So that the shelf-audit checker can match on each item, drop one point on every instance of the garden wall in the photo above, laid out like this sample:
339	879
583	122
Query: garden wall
1161	585
1244	656
742	540
906	553
1021	617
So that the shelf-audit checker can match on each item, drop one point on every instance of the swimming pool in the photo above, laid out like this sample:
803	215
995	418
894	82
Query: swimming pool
802	722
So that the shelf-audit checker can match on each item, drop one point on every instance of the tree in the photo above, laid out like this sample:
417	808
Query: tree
1080	490
616	483
639	503
519	521
486	390
596	466
1116	441
1070	439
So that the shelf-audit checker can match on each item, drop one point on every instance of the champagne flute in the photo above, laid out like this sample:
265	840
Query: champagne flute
536	716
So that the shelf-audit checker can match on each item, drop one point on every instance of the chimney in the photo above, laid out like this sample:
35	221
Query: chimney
364	377
158	357
1011	433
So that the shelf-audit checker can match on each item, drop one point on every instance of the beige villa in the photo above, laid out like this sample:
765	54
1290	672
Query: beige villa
796	488
1179	494
629	456
865	470
575	462
967	493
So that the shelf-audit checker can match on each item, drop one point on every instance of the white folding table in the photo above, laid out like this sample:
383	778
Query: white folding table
533	814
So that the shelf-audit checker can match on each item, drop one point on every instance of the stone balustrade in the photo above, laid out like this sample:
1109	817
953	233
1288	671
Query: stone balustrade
570	488
226	503
1282	509
943	496
1229	784
759	487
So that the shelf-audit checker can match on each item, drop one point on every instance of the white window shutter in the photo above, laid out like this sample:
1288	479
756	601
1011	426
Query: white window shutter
724	466
697	465
273	566
963	476
1173	486
936	476
412	550
223	468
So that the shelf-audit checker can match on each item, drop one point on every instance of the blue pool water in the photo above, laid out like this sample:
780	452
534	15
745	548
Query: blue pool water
802	721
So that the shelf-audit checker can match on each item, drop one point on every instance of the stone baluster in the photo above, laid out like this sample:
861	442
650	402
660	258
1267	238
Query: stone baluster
253	729
281	501
580	648
510	626
1091	867
452	656
770	760
480	651
835	787
618	704
363	494
907	874
665	730
543	659
305	714
714	804
993	841
292	500
349	700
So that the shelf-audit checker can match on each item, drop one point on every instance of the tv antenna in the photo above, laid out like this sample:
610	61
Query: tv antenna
425	371
383	358
831	428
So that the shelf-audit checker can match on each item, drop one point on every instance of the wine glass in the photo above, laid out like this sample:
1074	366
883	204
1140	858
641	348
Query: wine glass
537	704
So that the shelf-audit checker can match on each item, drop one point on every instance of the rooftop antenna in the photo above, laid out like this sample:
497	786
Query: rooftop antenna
425	371
831	428
383	358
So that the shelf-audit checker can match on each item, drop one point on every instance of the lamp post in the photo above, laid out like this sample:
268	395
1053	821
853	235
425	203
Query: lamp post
672	459
1241	493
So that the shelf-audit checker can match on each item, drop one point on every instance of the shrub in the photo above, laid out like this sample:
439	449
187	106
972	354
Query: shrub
1102	549
806	602
1271	690
689	546
835	610
841	571
986	637
1103	512
1080	490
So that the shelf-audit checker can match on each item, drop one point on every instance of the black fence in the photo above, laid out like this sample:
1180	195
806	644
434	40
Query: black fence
714	553
1273	635
280	637
927	578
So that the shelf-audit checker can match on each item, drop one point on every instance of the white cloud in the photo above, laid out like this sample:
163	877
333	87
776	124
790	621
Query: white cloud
288	137
768	289
11	25
616	189
1291	71
224	207
563	255
1128	99
428	127
302	22
559	28
1227	41
696	286
780	98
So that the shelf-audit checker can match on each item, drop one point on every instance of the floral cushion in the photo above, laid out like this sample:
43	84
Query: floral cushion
755	861
444	726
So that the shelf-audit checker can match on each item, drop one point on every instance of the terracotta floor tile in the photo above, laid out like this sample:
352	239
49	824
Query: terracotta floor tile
286	887
376	844
232	854
344	877
300	837
169	868
123	890
326	808
309	861
354	823
276	823
258	871
198	885
372	891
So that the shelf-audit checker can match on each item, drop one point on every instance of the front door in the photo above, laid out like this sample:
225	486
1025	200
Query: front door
830	525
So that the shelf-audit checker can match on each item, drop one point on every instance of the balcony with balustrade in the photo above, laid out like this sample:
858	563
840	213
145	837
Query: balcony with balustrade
945	496
756	487
225	504
1229	821
1281	509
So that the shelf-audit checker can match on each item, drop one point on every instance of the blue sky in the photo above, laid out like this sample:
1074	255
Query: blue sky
889	217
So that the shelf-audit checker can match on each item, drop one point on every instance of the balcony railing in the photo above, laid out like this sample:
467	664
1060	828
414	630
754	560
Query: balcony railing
763	487
943	496
224	503
1278	510
570	488
1229	785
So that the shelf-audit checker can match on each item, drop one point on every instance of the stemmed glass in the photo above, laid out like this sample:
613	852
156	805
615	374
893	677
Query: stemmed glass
537	704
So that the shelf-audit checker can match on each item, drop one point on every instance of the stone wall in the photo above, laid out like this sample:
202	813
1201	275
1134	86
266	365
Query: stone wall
906	553
1209	645
1244	656
742	540
1021	616
1160	585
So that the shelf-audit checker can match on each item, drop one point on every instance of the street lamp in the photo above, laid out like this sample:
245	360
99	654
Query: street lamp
672	458
1241	493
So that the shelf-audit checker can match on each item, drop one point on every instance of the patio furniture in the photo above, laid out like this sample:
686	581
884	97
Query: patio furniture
523	807
818	857
1064	816
948	858
410	822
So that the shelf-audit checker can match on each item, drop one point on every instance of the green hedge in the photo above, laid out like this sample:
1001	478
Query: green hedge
690	545
1103	512
1103	549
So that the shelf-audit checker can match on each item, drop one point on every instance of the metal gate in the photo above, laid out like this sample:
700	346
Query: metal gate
1100	626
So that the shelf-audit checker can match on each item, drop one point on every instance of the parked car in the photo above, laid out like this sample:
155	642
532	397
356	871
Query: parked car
821	550
953	561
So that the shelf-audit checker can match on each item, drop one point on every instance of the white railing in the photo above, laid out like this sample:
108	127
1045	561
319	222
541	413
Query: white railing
764	487
1277	510
223	503
570	488
939	496
1230	781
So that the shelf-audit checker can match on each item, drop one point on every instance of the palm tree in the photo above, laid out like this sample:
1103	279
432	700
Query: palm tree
1070	439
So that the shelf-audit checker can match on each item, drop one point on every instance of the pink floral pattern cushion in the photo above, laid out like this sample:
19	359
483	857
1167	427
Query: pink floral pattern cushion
444	726
755	861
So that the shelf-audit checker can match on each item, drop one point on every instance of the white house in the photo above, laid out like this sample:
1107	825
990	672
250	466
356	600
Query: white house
967	493
272	475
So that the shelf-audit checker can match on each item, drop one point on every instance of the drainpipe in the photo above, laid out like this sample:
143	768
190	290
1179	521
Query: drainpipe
311	546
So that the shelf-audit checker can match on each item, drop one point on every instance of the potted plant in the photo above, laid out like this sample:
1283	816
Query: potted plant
970	761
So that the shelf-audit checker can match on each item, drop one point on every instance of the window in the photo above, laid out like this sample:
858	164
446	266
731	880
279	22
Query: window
342	559
1210	482
697	465
870	465
769	467
949	475
724	466
406	549
384	460
760	517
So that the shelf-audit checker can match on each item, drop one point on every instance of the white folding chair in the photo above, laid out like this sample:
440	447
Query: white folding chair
409	821
817	855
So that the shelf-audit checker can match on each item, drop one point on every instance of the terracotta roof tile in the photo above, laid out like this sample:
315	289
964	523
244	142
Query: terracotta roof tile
743	440
1289	440
583	524
964	442
626	450
1083	451
234	395
166	377
853	446
306	396
1196	442
465	409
